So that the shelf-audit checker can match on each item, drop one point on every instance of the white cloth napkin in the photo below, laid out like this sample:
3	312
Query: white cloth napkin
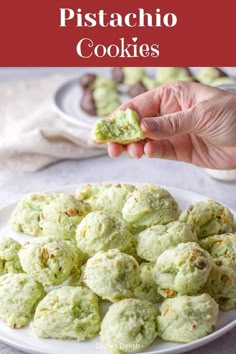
32	134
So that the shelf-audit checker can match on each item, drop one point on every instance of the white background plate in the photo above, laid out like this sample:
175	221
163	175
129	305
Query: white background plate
25	340
67	97
67	104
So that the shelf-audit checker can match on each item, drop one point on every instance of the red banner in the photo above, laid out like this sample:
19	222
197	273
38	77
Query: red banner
122	33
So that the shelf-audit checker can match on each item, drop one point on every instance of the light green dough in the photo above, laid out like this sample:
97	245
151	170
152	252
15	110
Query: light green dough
62	216
150	83
208	75
132	75
182	270
77	279
103	82
100	231
131	249
106	101
89	192
112	275
223	81
150	205
234	224
221	246
78	254
9	260
129	326
105	196
26	217
165	75
48	260
156	239
208	218
19	296
67	313
123	128
221	283
147	290
187	318
113	198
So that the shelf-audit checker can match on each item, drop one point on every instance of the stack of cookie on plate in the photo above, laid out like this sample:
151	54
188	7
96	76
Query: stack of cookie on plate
102	96
161	273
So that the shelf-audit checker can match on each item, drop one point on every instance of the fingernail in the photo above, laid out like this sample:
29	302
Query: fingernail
131	155
134	156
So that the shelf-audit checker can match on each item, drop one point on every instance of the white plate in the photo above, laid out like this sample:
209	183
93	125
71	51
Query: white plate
66	102
67	98
25	340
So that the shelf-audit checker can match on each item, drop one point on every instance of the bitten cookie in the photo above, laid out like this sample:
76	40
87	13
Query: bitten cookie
123	128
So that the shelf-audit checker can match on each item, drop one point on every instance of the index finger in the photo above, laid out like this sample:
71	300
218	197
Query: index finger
170	98
153	103
146	105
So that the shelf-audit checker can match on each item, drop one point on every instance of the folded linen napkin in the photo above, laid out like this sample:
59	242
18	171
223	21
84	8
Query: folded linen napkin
32	134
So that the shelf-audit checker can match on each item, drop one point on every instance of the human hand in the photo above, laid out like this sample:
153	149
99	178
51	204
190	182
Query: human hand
187	122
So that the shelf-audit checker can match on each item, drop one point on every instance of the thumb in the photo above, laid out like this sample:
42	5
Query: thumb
168	125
